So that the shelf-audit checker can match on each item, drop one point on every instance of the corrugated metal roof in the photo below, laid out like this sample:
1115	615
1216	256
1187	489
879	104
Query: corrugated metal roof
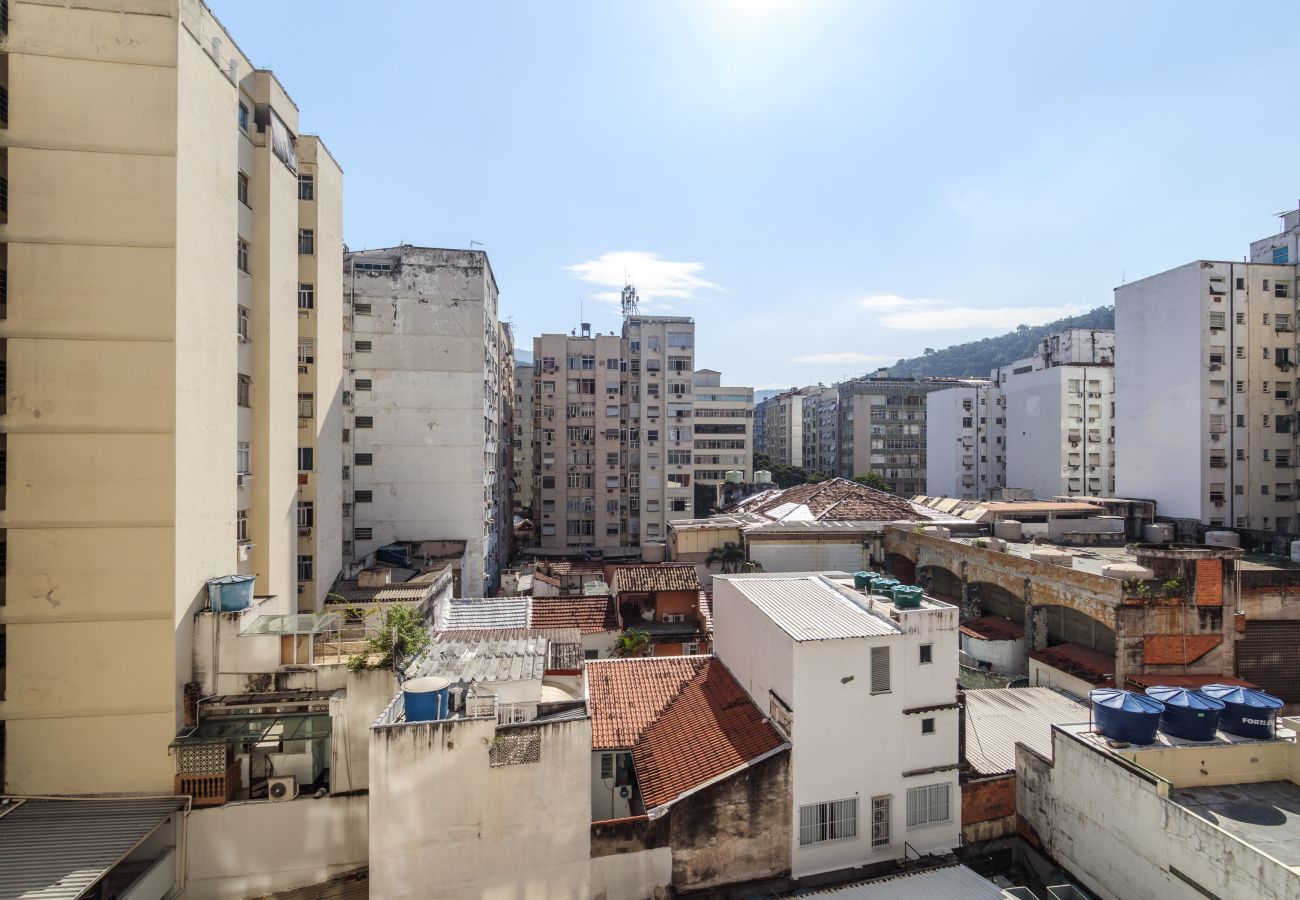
948	883
484	612
483	660
814	608
998	718
54	849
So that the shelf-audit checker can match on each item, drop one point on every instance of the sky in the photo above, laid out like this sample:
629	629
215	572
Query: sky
825	186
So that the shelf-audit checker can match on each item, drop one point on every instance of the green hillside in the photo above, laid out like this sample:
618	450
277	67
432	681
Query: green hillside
978	358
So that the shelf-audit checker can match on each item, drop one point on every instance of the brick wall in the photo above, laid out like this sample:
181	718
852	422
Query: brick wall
1209	582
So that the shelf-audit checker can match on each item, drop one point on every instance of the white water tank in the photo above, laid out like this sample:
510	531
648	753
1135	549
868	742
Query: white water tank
1159	533
1053	556
937	531
653	551
1223	539
1008	530
735	476
762	476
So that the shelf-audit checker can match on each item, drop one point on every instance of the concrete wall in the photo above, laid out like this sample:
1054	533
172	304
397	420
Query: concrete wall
248	849
802	555
1002	656
1110	825
633	875
505	830
367	694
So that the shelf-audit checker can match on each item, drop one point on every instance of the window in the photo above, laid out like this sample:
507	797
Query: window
242	259
365	459
306	296
306	406
1281	289
243	387
363	496
363	346
305	461
820	823
1217	319
880	821
243	458
243	188
365	421
1241	286
1241	420
607	765
243	117
361	309
242	323
880	670
927	653
304	568
306	187
306	514
927	805
1241	353
363	384
1241	316
363	534
1265	317
241	526
927	726
306	241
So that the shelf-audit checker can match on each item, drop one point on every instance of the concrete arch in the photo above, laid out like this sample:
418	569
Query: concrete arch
1067	625
940	582
900	567
995	600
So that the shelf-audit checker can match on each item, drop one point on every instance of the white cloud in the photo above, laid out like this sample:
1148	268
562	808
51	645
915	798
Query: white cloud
655	278
848	359
920	314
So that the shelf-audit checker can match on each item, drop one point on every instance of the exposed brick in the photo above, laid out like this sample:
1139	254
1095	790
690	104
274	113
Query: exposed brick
1209	582
988	799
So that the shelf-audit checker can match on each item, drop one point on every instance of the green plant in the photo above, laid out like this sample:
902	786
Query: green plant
750	565
632	642
729	556
1172	588
981	543
874	480
400	634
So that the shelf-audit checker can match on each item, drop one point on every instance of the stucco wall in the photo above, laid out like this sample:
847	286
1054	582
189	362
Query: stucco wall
837	555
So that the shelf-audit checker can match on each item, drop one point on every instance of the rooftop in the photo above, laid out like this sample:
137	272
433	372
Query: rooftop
947	883
998	718
815	607
628	695
1093	666
590	615
482	658
1265	815
483	612
993	628
836	499
647	579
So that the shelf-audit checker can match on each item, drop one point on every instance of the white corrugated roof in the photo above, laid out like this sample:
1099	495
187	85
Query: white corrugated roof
813	608
998	718
57	849
483	612
948	883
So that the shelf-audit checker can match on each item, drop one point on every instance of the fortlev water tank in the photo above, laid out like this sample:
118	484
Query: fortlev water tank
883	586
862	580
1190	715
1126	716
907	596
1223	539
1246	712
426	698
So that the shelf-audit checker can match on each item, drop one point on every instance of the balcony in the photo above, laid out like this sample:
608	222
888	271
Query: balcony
210	790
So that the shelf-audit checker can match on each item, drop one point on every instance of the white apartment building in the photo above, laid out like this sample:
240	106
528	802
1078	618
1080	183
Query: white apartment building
1205	392
522	440
821	429
1042	424
866	693
613	431
140	145
783	427
724	429
423	450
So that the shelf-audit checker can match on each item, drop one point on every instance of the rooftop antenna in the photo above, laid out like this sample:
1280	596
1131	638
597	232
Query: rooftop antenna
629	302
472	243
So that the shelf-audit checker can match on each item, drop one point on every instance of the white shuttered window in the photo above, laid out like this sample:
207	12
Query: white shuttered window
927	805
880	670
835	820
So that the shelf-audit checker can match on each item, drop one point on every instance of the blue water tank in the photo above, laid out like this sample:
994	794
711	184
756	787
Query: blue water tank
863	579
230	593
426	698
1190	715
1246	712
1126	716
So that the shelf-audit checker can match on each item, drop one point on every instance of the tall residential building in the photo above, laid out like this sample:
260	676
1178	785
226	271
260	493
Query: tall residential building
821	428
522	440
783	427
140	143
613	431
1043	424
1205	389
724	419
423	455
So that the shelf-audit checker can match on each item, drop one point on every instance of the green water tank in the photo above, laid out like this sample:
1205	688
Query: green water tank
863	579
907	596
883	585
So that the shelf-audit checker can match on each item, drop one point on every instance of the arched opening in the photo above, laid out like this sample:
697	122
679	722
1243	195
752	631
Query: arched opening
942	583
900	567
1065	625
996	600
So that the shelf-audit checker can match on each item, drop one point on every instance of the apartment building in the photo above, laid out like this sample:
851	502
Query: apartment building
613	430
424	454
1205	390
522	440
724	430
821	428
141	143
783	427
882	428
1042	424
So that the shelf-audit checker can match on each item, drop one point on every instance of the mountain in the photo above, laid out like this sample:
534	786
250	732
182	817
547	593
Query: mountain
978	358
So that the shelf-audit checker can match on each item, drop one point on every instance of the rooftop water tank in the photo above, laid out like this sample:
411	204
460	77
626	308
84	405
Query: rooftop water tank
653	551
1009	530
1125	571
883	585
1223	539
937	531
230	593
762	476
1126	716
1159	533
862	580
735	476
1295	551
1055	557
1246	712
426	698
907	597
1190	715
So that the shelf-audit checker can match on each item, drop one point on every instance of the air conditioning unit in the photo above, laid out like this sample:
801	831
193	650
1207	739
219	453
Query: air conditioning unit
302	370
244	549
242	478
282	788
304	531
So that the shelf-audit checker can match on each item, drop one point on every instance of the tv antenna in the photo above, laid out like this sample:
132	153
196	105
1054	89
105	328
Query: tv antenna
629	301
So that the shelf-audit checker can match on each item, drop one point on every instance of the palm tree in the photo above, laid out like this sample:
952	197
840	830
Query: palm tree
731	555
632	643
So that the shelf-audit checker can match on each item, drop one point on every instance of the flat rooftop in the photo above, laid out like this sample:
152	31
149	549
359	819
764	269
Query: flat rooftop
1265	814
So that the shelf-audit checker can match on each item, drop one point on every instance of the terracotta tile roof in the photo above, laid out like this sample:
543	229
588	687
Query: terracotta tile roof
590	615
1185	681
708	729
1082	662
1177	649
834	500
568	567
993	628
628	695
669	577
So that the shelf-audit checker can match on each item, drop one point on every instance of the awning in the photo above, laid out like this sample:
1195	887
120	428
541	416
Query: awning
298	623
57	849
256	730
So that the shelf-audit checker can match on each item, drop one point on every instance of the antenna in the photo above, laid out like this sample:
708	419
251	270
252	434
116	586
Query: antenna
472	243
629	301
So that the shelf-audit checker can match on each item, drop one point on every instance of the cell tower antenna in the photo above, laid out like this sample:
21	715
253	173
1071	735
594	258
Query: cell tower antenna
629	302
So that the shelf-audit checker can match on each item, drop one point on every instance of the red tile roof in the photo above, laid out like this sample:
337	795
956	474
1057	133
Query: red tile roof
1187	681
838	500
590	615
1082	662
568	567
1177	649
647	579
709	729
628	695
993	628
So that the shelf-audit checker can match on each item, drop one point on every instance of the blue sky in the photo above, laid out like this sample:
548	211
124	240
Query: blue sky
825	185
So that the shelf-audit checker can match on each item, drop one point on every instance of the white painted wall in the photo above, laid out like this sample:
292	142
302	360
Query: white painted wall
953	449
1002	656
1041	675
632	876
832	555
607	800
